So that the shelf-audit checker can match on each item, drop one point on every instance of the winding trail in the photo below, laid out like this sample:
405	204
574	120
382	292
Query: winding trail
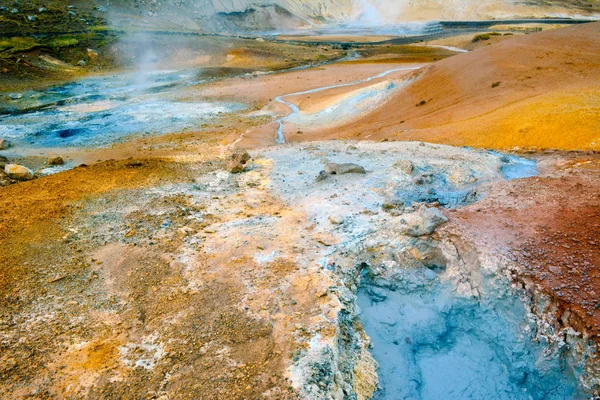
295	110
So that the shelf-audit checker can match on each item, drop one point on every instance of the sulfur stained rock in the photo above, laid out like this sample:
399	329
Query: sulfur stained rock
18	172
237	162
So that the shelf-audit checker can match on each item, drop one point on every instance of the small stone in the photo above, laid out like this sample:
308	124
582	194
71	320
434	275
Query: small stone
14	11
336	219
15	96
3	161
42	9
18	172
209	230
55	161
322	176
92	54
395	205
4	144
82	63
32	18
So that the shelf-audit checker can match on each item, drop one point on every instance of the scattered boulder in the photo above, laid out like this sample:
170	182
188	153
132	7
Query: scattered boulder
405	166
4	144
341	169
18	172
82	63
32	18
3	161
15	96
432	218
425	222
55	161
237	162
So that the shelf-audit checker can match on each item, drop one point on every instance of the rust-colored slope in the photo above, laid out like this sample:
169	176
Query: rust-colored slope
546	94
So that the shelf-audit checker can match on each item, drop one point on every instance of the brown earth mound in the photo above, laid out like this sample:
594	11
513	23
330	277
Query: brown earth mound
535	91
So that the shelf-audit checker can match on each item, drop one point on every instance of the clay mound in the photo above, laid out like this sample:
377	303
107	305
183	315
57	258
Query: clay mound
535	91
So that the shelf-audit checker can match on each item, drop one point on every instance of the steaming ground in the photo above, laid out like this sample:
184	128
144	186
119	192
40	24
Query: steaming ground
152	271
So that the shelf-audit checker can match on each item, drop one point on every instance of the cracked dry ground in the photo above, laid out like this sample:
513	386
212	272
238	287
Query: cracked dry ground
116	282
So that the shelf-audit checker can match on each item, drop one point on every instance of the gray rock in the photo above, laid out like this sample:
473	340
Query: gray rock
4	144
32	18
42	9
432	218
341	169
18	172
422	223
405	166
82	63
15	96
322	176
14	11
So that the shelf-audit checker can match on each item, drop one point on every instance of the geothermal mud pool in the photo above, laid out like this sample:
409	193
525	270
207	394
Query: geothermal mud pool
440	326
98	111
432	342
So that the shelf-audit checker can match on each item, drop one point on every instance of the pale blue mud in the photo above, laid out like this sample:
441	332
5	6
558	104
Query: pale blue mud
514	167
101	110
431	343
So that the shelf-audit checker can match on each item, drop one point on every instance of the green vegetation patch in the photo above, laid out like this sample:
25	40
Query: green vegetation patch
18	44
479	38
63	43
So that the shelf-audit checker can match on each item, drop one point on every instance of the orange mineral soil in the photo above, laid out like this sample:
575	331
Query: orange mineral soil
531	91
